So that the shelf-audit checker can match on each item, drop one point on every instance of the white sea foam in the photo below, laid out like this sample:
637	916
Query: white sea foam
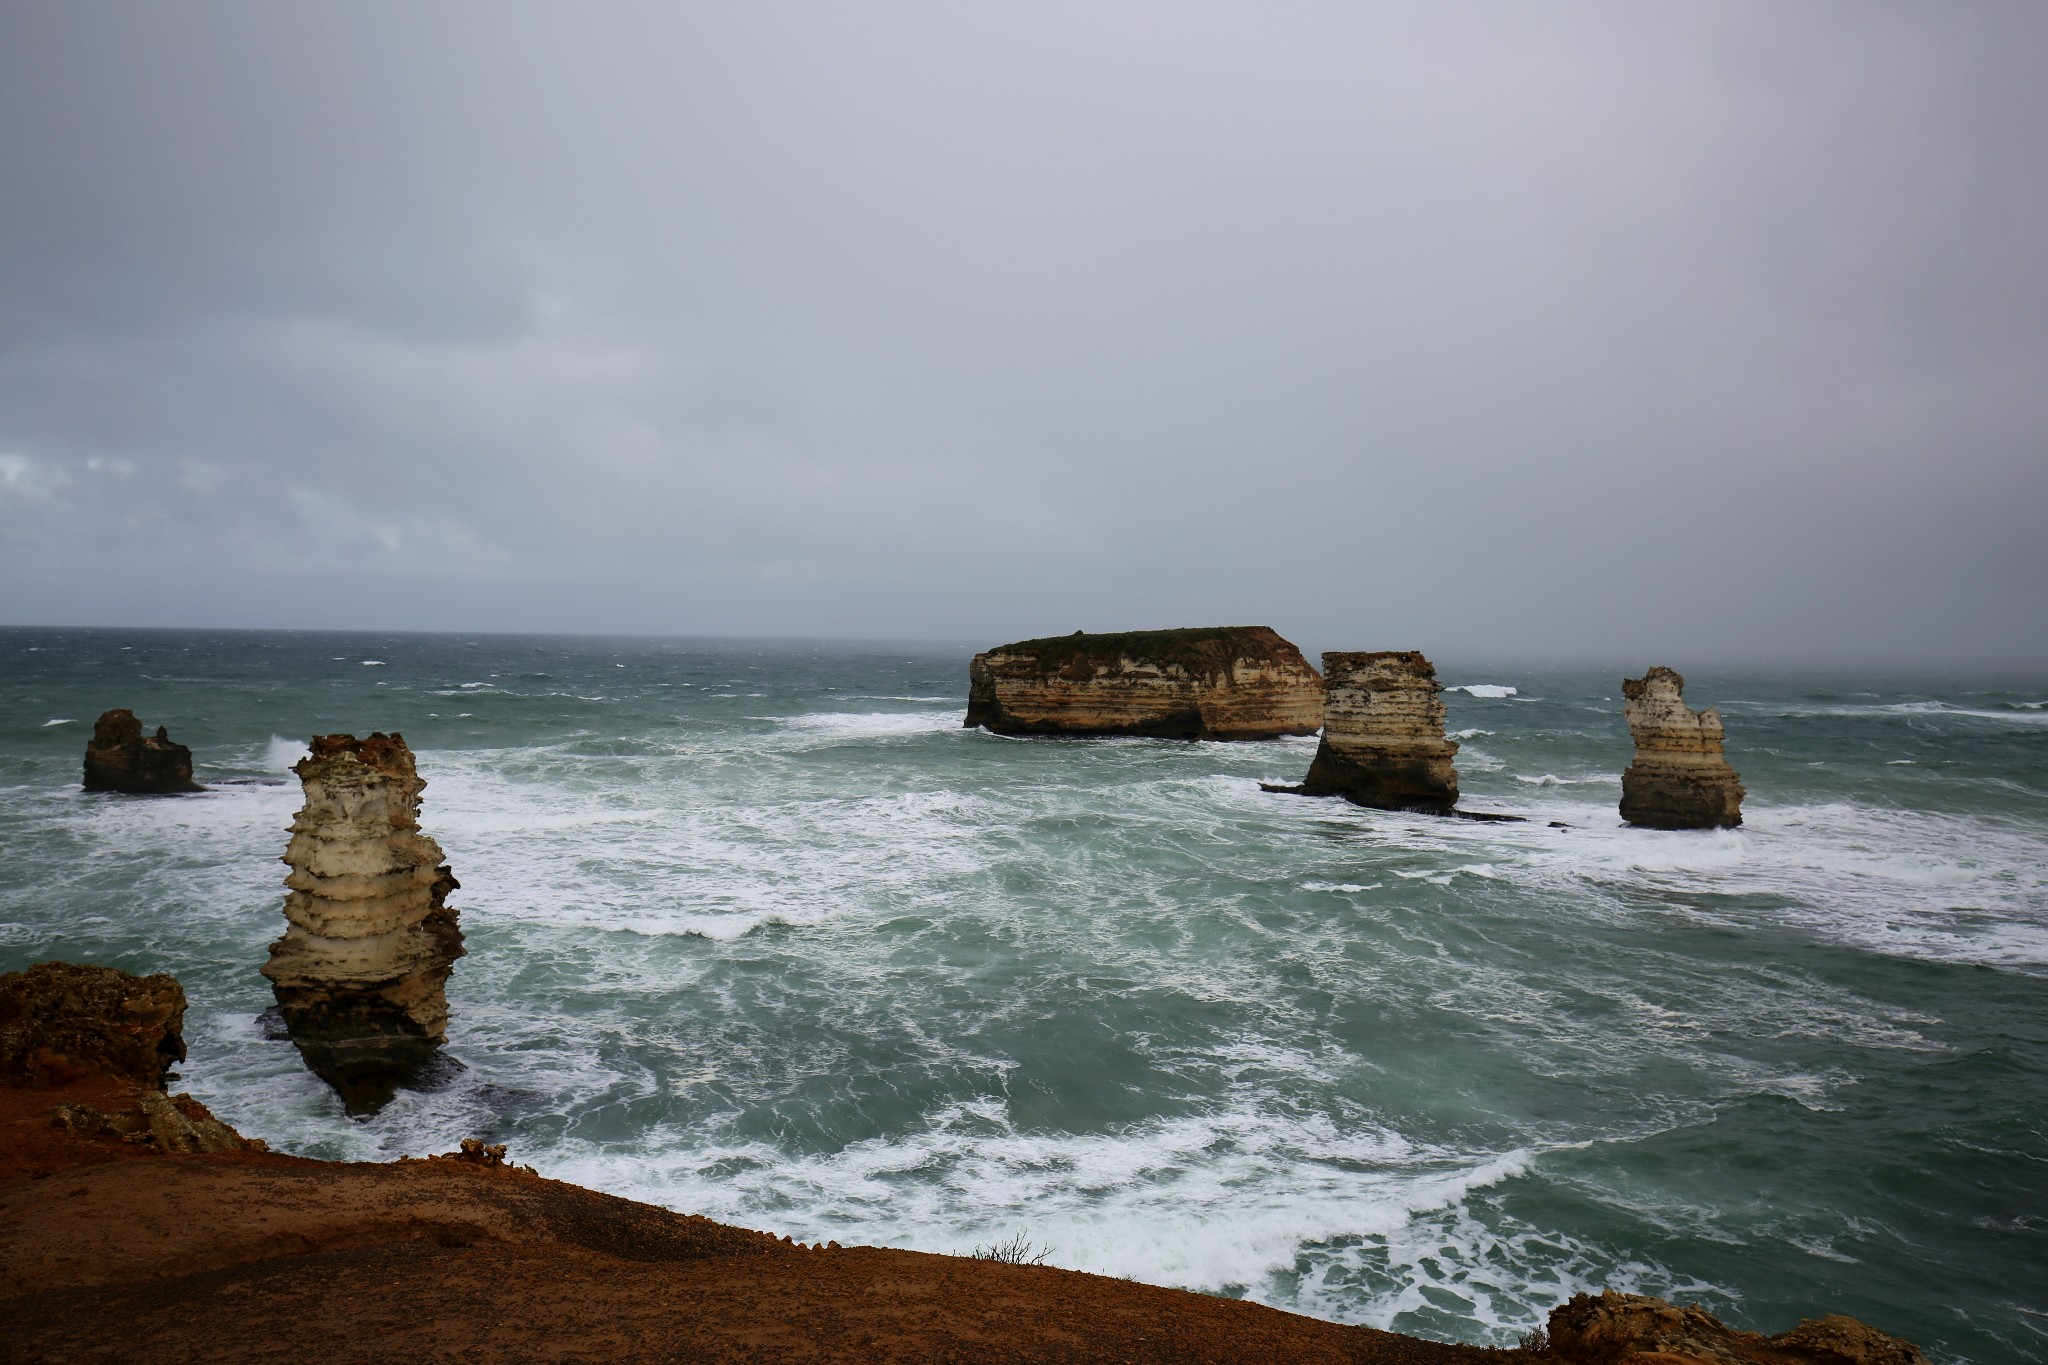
281	754
1469	734
48	723
839	725
2019	713
373	663
1490	691
770	942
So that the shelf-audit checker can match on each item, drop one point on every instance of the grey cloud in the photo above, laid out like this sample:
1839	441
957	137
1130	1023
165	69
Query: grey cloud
1595	327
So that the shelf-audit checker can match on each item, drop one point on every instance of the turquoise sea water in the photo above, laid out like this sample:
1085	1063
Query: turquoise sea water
756	930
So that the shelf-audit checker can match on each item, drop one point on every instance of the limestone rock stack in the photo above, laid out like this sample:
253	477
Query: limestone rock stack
1679	779
1225	682
1383	734
360	973
120	758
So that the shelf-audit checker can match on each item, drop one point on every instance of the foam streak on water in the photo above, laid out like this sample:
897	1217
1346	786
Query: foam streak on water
759	931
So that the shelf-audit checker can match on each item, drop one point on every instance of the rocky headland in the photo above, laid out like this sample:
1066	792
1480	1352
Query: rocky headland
120	758
1225	682
1679	779
1383	735
361	972
122	1245
104	1043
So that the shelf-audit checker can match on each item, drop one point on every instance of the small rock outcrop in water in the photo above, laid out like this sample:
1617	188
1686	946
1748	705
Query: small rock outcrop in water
360	973
120	758
1626	1328
1679	779
1226	682
1383	735
60	1022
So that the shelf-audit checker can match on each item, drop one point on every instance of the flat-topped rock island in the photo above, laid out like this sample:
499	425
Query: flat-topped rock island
1212	682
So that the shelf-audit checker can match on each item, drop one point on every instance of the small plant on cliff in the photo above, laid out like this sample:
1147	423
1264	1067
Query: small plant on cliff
1017	1251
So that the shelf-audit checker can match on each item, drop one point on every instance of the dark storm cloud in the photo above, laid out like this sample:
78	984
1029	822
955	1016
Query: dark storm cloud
1698	328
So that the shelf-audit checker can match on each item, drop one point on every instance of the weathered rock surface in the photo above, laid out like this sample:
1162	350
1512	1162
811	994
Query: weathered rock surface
170	1124
1679	780
105	1040
120	758
361	971
1383	734
1630	1329
61	1022
1226	682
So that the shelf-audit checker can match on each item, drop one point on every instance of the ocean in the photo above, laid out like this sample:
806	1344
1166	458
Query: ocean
757	930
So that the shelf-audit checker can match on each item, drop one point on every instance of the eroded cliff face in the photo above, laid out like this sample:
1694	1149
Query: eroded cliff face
361	971
1383	734
62	1022
120	758
106	1041
1227	682
1679	780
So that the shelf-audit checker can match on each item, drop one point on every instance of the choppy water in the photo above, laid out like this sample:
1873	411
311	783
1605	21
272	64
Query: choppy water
758	931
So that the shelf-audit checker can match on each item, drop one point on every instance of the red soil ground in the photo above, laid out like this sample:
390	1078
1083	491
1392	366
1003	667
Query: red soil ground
112	1251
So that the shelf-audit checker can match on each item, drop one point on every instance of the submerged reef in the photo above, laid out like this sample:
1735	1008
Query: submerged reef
1222	682
361	972
1679	779
120	758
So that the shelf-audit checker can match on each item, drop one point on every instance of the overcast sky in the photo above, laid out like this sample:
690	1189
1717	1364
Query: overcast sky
1688	329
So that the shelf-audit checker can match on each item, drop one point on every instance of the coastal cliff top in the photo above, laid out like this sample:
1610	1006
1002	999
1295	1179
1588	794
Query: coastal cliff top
140	1228
1202	651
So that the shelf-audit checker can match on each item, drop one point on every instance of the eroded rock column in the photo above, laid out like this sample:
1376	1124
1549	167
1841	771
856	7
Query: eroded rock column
1383	734
361	971
120	758
1679	779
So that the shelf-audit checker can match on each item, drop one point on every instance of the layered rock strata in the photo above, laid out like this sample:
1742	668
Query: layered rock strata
1679	780
1383	734
361	971
1227	682
120	758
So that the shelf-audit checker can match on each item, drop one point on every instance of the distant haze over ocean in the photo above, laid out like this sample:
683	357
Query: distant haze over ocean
1706	330
757	930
